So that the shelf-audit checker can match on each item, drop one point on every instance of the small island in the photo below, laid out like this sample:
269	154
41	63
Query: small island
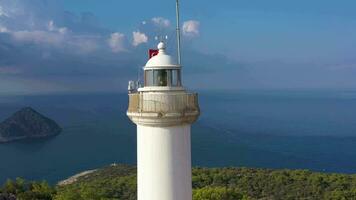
27	123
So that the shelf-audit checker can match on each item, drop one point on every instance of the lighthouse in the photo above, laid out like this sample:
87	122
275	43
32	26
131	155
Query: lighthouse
163	111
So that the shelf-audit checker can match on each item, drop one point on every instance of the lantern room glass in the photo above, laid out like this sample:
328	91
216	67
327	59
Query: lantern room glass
163	78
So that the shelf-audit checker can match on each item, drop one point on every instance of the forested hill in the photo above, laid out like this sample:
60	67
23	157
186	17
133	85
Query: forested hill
27	123
119	183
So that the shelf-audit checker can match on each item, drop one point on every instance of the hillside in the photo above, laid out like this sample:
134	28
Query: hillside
119	182
27	123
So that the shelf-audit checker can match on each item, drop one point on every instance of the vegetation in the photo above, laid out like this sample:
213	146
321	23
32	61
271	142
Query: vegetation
22	189
119	183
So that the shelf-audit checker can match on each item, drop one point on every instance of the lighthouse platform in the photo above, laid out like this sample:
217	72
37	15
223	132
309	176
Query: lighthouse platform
163	108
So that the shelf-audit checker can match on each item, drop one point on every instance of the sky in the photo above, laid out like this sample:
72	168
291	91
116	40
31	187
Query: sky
81	46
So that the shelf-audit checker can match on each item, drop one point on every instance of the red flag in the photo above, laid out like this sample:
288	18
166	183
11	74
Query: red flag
152	52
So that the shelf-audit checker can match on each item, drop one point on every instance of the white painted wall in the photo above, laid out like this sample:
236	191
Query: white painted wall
164	163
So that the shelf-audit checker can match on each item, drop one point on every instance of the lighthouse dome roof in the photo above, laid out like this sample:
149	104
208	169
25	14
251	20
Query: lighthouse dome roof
162	60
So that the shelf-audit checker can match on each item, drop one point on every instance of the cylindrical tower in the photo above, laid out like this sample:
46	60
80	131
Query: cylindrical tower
163	111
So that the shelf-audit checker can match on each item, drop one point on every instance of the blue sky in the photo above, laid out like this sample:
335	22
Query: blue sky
240	26
96	46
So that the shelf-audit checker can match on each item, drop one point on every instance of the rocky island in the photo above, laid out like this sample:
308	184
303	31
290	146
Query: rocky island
27	123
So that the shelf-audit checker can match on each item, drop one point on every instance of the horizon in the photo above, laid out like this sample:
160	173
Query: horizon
196	90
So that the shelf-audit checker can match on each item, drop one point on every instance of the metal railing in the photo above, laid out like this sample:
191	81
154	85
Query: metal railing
163	103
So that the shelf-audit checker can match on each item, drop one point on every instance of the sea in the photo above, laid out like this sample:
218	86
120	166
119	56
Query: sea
277	129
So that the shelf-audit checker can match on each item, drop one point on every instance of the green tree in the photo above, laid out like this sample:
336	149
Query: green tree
217	193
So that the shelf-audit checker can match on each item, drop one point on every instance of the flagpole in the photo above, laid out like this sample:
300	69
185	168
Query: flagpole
178	34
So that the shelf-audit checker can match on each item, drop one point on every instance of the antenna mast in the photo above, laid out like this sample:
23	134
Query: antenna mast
178	34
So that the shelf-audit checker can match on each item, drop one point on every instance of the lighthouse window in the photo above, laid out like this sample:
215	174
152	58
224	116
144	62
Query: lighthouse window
163	77
160	77
149	78
175	81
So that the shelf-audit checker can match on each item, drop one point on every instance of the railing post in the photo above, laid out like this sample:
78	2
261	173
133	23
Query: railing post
140	101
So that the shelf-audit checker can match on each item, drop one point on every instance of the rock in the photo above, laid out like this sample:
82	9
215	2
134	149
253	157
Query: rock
27	123
7	197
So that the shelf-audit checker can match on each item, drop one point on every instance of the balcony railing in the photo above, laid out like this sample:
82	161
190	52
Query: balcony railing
163	103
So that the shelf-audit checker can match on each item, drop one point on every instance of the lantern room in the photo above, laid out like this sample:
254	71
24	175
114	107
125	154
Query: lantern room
162	72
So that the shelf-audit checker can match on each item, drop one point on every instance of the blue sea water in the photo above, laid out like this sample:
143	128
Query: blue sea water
298	129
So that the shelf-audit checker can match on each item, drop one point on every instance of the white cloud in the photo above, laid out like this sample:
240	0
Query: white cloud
3	29
52	27
139	38
191	28
161	22
3	12
76	43
53	36
84	43
39	37
117	42
36	23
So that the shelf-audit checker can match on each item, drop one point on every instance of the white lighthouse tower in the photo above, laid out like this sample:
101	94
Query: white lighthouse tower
163	111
